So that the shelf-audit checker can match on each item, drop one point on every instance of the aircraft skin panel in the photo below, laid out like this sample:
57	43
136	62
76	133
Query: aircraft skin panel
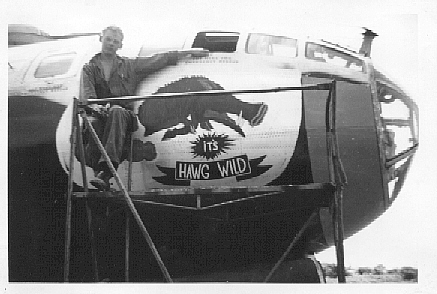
32	120
245	139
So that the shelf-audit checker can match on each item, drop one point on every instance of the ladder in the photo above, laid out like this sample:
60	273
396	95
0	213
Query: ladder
194	199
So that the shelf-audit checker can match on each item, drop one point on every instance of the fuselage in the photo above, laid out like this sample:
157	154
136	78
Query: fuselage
229	140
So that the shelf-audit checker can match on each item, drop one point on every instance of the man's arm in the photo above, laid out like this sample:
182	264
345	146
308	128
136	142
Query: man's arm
148	65
87	91
87	87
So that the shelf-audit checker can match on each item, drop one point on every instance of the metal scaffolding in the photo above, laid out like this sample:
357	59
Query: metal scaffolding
328	194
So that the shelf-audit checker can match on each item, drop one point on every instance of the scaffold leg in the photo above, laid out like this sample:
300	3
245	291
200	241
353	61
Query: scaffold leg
338	176
127	235
127	244
339	235
128	200
69	195
87	207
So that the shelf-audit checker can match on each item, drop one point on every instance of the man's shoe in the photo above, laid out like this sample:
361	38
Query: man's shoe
102	181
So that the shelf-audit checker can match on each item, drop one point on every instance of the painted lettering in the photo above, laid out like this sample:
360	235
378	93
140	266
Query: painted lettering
223	170
241	165
210	146
182	171
205	175
233	167
192	171
230	167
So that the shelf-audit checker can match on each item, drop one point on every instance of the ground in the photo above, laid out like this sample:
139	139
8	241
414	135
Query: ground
369	279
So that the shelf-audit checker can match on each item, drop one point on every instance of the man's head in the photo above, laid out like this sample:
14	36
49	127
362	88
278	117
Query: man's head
111	38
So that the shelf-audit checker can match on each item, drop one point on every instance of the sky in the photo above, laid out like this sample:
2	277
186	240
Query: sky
405	49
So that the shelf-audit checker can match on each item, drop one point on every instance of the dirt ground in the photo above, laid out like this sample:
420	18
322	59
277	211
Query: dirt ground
366	279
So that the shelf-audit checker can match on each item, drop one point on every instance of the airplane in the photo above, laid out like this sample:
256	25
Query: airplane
206	144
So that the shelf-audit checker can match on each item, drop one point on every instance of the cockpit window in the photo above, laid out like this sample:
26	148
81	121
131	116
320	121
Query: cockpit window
54	65
216	41
331	56
271	45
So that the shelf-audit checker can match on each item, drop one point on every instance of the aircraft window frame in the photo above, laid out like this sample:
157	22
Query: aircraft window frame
47	63
267	45
400	133
328	55
398	118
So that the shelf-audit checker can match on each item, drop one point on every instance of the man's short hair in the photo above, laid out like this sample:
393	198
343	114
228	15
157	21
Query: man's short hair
113	29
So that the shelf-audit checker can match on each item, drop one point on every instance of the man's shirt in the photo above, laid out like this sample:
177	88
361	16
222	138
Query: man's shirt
124	77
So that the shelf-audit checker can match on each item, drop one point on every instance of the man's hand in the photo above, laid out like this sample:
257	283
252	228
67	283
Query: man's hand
96	108
194	52
175	56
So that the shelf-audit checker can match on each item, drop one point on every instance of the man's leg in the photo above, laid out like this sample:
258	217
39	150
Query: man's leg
92	152
117	125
